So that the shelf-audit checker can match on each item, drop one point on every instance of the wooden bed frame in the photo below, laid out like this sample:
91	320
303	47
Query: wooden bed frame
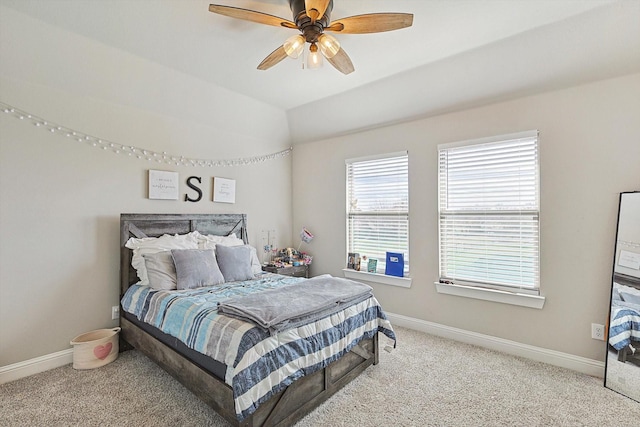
283	409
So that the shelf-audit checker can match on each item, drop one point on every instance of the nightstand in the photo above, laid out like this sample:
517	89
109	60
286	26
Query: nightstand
297	271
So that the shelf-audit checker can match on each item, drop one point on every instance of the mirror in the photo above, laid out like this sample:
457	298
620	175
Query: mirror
622	366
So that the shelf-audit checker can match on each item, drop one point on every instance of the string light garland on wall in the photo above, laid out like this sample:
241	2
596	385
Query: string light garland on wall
629	244
133	151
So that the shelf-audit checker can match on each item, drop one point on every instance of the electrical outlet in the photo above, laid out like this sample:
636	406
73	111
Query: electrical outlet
115	312
597	331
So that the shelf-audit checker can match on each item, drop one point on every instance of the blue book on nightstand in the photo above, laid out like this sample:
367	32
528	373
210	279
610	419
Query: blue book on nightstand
395	264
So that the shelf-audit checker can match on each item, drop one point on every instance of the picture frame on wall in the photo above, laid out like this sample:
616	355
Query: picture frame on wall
163	185
224	190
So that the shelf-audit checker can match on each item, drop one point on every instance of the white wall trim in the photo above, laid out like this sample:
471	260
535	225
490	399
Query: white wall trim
495	295
35	366
404	282
565	360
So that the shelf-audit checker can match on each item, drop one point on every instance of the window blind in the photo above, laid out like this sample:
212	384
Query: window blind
489	212
378	207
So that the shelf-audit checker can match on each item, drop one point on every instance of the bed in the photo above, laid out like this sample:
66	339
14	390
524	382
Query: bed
624	327
222	385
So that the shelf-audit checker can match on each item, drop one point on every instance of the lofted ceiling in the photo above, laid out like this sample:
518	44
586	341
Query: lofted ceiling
587	39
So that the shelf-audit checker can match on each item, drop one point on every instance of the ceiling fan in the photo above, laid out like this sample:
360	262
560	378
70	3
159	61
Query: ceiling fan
312	18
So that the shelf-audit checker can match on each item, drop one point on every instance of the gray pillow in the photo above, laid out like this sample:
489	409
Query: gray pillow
161	270
234	262
196	268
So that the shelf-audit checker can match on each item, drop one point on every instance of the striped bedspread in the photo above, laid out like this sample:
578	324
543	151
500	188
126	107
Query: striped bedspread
624	327
258	365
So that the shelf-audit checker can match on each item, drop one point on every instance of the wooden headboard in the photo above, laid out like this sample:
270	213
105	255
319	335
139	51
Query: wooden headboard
155	225
626	280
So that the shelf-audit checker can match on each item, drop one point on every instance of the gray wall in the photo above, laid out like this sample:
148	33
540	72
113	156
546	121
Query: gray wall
60	200
589	151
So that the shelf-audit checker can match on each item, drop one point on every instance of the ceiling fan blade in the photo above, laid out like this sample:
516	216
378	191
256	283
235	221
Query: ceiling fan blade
342	62
273	58
251	15
371	23
316	8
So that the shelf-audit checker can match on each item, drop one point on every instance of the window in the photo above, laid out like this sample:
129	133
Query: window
378	207
489	197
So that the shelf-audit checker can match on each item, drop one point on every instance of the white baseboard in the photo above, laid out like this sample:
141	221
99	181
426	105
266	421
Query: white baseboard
34	366
565	360
556	358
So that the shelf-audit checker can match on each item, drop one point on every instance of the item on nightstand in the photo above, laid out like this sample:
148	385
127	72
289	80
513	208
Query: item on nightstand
395	264
96	348
289	257
268	245
305	237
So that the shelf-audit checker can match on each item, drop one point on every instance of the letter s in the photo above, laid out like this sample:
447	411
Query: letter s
194	187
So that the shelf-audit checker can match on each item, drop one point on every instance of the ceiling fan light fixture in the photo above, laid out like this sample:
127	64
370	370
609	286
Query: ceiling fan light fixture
329	46
294	46
314	59
313	14
312	18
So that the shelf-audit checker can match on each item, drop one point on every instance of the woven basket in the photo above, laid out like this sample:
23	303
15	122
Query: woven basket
96	348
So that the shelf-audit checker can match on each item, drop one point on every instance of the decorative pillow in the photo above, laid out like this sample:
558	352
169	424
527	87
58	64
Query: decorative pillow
615	293
235	262
150	245
627	289
161	270
631	298
209	241
196	268
256	267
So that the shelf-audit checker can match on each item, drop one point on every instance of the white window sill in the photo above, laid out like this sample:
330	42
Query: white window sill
524	300
404	282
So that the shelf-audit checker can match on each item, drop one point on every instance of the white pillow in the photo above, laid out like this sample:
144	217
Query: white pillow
161	270
151	245
627	289
629	297
209	241
256	267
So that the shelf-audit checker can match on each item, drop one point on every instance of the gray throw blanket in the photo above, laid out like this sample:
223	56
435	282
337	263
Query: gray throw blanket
291	306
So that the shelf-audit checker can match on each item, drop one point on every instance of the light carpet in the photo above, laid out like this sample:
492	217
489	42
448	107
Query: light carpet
425	381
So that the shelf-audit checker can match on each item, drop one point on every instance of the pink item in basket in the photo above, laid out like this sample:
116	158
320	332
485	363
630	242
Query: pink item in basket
102	351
